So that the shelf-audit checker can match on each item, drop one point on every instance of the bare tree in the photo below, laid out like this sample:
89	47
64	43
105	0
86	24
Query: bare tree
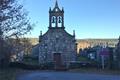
27	46
13	19
13	24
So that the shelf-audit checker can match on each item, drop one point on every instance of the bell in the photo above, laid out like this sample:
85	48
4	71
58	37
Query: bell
53	20
59	20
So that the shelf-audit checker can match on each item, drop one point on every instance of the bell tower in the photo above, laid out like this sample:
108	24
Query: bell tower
56	17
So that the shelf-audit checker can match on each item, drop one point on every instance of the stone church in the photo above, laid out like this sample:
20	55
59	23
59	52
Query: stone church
117	55
56	45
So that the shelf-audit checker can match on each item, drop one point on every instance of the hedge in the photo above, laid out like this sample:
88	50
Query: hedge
32	67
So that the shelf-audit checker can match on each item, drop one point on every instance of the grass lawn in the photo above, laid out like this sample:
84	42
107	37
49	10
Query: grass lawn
81	58
9	73
95	70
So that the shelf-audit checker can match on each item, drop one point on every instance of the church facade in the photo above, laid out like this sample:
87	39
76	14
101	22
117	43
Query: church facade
56	45
117	55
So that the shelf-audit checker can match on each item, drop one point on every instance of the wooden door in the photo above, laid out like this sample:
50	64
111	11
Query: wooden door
57	59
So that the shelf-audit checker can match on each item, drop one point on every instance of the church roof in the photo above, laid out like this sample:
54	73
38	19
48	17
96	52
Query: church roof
56	4
58	31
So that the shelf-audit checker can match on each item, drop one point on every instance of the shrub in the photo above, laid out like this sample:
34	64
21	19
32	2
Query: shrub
79	64
44	66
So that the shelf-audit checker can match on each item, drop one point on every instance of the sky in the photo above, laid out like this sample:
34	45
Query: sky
89	18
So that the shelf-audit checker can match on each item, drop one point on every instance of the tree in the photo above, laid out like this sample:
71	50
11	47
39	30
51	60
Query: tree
13	19
27	46
13	24
4	56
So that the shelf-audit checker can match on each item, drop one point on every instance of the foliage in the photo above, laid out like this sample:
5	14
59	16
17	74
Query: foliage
4	54
26	45
82	58
8	74
29	60
30	66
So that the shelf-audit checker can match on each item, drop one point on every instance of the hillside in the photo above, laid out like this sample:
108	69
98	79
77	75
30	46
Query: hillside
84	43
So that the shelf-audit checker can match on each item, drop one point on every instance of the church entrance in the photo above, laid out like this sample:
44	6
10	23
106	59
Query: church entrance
57	60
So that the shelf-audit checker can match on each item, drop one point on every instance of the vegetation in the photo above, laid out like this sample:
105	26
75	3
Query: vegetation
13	19
8	74
14	23
82	58
30	61
96	71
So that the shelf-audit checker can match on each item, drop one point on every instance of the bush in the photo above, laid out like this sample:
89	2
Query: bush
48	65
79	64
44	66
8	74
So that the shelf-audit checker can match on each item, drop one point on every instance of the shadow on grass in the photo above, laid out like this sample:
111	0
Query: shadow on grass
9	73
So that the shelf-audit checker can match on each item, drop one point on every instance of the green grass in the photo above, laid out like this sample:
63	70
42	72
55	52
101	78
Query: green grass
96	71
81	58
31	61
9	73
